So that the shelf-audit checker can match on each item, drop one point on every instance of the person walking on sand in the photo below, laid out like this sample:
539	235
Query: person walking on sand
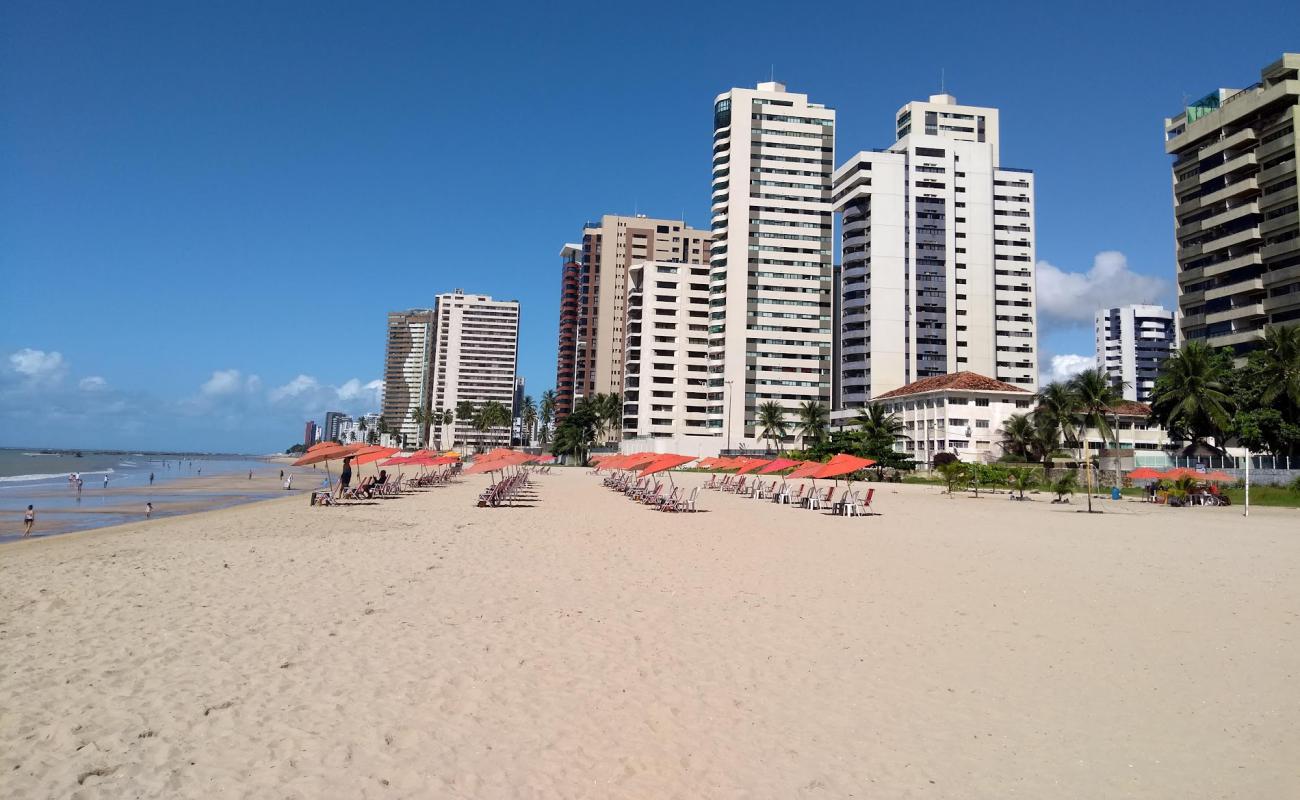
29	519
79	485
105	481
281	474
151	479
148	510
250	474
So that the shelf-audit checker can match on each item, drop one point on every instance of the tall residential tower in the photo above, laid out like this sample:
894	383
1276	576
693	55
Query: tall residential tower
938	256
1235	209
406	371
1132	343
770	266
475	354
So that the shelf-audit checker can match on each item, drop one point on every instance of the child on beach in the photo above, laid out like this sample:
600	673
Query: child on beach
148	510
29	519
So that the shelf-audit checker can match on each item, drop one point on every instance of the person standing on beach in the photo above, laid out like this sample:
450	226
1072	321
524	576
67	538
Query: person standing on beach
148	510
151	479
29	519
79	485
346	477
105	481
281	474
250	474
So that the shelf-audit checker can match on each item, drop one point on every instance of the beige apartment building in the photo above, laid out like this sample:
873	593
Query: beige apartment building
666	370
771	262
406	372
599	289
474	359
1237	209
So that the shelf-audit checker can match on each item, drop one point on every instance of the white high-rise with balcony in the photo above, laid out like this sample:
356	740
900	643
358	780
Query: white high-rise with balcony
1132	343
770	280
475	353
937	256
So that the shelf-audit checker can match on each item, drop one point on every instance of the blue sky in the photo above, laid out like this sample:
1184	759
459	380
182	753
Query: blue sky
207	209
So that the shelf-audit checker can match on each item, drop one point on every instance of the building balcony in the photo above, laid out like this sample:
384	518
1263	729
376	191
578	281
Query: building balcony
1241	312
1230	240
1241	188
1231	165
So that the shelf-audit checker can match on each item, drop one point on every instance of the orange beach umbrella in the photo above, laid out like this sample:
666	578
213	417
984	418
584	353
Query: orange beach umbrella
664	462
778	465
1144	474
752	464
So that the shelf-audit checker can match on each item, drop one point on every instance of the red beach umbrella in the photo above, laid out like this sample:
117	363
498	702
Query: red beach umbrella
778	465
663	462
1145	474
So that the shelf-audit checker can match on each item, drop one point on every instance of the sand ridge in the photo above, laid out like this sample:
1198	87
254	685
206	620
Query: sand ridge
587	647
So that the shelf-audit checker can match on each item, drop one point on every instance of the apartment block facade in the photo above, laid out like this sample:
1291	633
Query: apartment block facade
595	283
1237	209
666	366
1132	344
406	371
770	333
474	359
938	255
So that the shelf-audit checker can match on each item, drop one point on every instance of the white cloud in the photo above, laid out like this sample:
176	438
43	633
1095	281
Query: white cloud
229	381
294	388
1066	366
38	366
92	383
1073	298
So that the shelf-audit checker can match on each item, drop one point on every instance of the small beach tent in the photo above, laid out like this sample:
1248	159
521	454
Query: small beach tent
778	465
1144	474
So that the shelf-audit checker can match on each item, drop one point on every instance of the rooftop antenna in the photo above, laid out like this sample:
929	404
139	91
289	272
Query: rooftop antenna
773	74
942	82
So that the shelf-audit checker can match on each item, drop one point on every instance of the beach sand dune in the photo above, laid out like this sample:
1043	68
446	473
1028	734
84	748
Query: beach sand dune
587	647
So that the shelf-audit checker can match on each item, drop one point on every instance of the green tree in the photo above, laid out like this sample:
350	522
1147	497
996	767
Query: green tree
1280	356
528	416
1019	437
1190	398
465	413
772	424
546	414
1020	479
575	434
1055	411
814	422
1096	397
1065	485
490	416
954	474
608	409
423	418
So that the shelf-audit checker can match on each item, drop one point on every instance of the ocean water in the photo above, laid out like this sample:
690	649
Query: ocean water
41	479
25	470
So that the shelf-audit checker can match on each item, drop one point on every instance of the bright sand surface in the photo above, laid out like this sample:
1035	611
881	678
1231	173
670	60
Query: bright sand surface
587	647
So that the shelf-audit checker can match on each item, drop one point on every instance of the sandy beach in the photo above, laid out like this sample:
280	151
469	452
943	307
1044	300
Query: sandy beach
583	646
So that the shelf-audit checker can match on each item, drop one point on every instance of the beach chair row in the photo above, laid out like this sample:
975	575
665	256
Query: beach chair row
504	491
850	503
651	493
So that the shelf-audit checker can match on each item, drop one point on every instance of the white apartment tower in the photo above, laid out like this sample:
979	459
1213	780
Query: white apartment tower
937	256
770	264
406	371
476	344
666	352
1132	343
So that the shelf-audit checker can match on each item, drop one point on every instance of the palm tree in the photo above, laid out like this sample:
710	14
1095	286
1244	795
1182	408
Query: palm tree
547	414
772	424
577	432
1056	408
1281	354
490	415
954	473
1022	478
465	413
422	417
814	421
1096	397
880	427
528	416
1018	435
1064	485
609	414
1191	392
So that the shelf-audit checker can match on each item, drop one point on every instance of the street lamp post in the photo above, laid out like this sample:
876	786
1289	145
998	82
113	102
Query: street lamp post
727	417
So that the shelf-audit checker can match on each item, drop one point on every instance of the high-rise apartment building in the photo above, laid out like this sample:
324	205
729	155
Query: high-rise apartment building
937	256
406	372
333	422
572	353
594	284
1235	209
770	279
666	370
1132	343
474	358
309	434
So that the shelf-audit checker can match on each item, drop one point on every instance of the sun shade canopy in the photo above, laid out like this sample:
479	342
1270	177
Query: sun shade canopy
778	465
842	464
372	453
752	464
663	462
327	451
805	470
1144	474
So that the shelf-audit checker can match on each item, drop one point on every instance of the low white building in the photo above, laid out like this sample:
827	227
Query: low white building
964	413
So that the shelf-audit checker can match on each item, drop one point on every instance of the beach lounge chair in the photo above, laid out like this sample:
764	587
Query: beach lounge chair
796	498
683	504
865	505
816	501
712	482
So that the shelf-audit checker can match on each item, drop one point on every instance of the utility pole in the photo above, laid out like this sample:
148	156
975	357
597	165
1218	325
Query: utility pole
1245	511
727	392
